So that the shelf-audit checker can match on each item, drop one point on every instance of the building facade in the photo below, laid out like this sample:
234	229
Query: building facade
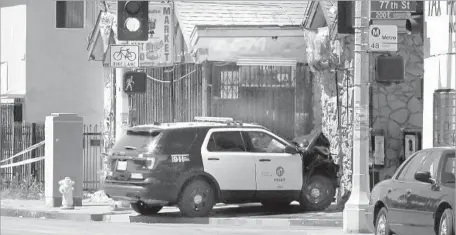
396	106
44	67
242	59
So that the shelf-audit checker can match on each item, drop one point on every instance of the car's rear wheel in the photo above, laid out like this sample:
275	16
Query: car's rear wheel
197	199
318	194
145	209
446	226
381	223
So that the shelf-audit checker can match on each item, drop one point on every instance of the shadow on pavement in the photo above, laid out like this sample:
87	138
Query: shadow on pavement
244	212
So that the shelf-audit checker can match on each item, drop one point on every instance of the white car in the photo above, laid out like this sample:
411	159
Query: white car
195	165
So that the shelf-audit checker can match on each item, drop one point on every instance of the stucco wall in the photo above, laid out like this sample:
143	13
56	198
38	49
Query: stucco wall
399	105
13	49
59	77
395	106
326	113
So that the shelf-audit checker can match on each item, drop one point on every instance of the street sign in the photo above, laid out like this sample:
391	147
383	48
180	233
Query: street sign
383	38
124	56
388	15
388	10
393	6
135	82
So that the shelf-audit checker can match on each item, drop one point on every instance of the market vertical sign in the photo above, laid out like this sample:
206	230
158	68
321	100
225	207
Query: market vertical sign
440	20
158	50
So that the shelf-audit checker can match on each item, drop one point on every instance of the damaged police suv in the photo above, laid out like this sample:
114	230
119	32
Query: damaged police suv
195	165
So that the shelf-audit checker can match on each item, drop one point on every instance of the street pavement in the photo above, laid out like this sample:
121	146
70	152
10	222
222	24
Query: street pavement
234	215
28	226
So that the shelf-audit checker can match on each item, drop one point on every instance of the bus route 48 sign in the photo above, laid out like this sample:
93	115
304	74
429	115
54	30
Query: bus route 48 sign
383	38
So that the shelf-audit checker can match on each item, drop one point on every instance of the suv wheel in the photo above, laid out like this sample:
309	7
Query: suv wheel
197	199
145	209
318	194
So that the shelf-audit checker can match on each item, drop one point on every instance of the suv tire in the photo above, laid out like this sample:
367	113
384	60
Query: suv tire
145	209
197	199
318	194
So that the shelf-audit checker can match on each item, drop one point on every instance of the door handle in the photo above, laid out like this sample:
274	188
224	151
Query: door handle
213	159
265	160
390	190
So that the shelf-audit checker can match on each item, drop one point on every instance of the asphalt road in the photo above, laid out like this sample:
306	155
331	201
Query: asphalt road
25	226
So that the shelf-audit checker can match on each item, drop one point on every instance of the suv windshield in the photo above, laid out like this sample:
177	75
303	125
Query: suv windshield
137	139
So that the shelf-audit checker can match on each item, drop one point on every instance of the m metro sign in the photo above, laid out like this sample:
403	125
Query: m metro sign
392	9
382	38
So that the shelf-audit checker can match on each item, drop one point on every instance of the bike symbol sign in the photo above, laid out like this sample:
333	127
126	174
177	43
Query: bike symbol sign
124	56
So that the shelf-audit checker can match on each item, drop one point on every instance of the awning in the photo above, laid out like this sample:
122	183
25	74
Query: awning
222	46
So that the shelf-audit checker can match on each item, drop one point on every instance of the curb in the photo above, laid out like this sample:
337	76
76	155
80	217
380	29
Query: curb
126	218
241	221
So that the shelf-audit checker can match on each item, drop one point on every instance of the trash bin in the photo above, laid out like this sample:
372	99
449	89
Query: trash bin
444	129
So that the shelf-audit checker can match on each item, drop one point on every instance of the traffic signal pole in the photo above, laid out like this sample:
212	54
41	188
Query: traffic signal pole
354	219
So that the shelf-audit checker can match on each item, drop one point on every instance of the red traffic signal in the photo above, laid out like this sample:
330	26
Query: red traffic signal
133	20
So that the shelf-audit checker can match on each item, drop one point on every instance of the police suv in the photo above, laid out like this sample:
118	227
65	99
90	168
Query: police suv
195	165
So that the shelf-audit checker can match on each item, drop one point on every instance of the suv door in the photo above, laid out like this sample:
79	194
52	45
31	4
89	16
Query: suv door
225	157
275	169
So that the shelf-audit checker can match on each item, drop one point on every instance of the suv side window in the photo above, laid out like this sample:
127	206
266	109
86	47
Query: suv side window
179	141
264	143
226	141
408	173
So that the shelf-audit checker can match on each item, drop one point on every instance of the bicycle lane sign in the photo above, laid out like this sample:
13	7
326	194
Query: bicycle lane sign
124	56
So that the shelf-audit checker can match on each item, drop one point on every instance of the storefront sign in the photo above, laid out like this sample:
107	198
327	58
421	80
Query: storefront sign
158	50
440	18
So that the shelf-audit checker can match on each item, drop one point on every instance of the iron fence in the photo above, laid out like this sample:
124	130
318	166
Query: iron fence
23	154
172	94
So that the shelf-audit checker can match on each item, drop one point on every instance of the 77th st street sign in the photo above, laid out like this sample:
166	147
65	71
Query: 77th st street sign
392	9
383	38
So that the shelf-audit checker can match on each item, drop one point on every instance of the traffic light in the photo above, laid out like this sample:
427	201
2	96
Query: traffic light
414	25
346	17
132	20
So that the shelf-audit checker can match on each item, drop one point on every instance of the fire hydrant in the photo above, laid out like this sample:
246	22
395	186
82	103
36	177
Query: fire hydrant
66	189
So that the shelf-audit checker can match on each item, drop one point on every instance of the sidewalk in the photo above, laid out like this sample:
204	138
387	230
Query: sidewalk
234	215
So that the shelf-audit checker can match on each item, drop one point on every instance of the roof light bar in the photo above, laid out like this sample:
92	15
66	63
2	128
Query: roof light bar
214	119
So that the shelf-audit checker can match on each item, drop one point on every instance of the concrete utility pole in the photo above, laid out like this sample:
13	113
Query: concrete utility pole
1	143
354	216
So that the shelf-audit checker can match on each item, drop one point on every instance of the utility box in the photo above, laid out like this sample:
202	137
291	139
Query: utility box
444	129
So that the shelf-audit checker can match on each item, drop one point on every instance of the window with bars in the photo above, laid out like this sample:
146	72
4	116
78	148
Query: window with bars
70	14
229	84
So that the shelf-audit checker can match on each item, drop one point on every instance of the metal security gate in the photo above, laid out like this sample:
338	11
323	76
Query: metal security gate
92	159
163	102
266	95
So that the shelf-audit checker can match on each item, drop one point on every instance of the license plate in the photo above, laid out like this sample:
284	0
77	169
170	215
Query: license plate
122	165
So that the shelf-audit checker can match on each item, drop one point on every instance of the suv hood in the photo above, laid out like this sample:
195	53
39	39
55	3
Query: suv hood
316	139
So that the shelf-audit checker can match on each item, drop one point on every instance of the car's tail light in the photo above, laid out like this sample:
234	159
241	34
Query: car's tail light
150	161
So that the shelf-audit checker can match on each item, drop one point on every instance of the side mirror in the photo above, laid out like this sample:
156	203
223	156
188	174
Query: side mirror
423	176
291	150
